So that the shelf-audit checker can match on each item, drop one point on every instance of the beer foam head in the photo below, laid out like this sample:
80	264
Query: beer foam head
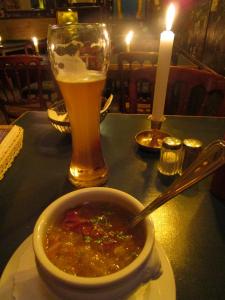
69	66
73	69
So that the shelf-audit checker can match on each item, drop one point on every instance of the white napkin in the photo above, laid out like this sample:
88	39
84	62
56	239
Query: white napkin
10	147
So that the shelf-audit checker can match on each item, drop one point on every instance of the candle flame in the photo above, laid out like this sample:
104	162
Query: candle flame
129	37
170	14
35	40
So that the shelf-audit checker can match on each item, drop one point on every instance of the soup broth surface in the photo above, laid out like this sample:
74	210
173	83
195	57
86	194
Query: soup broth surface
92	240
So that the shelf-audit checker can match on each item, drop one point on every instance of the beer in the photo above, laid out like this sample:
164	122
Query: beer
82	96
79	56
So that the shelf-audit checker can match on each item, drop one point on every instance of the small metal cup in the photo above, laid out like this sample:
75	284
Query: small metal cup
191	149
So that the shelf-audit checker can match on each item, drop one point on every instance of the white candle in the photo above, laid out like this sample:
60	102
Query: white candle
35	42
128	39
164	58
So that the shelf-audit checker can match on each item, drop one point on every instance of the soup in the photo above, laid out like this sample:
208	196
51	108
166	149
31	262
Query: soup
92	240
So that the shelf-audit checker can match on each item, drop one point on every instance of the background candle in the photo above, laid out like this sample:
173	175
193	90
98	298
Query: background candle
164	58
35	42
128	39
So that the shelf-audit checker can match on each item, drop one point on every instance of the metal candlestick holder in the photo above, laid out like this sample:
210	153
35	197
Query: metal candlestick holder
151	140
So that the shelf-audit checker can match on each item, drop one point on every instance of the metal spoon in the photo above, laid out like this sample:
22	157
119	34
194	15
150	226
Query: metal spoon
211	158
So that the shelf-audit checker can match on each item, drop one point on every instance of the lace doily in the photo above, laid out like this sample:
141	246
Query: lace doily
11	141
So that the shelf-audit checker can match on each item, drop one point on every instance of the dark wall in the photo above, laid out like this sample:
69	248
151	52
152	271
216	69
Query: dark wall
214	52
200	30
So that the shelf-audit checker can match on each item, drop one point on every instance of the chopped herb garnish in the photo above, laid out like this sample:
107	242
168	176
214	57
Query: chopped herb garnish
87	239
99	241
122	236
99	220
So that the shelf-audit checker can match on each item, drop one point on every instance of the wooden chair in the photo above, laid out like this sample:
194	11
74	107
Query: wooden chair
4	113
141	90
29	48
127	62
49	85
189	92
136	59
113	86
195	92
21	85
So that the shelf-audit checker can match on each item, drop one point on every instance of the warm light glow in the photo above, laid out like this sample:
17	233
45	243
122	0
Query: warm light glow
74	172
170	14
106	35
35	41
52	47
129	37
0	39
41	4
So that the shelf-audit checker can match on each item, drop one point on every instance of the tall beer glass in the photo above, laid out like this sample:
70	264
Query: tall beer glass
79	56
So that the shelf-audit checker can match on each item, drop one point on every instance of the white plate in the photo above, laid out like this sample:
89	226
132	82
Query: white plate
160	289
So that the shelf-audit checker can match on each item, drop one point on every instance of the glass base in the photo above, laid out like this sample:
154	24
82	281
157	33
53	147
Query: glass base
82	178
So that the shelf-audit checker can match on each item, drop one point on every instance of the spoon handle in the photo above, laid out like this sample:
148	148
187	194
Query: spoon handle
211	158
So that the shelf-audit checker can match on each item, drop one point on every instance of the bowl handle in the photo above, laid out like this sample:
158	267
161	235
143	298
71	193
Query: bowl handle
154	268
